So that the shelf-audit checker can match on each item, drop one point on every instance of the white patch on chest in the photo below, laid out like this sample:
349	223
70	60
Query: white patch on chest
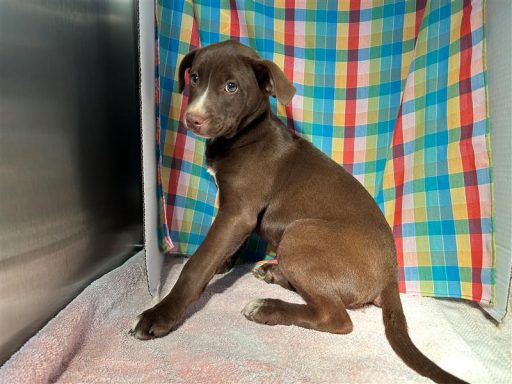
212	172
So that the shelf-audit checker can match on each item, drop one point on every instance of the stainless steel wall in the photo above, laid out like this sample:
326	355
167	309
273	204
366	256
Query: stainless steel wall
70	171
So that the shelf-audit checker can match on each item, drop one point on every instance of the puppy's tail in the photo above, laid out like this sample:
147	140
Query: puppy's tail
397	335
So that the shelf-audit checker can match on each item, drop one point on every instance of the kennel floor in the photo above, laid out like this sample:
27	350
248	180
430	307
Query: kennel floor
88	341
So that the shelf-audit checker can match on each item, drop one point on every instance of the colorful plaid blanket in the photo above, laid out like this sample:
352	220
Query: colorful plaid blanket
395	91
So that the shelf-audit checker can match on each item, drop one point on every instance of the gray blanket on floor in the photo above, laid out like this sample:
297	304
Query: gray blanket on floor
88	341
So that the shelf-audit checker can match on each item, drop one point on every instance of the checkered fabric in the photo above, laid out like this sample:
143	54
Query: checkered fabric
395	91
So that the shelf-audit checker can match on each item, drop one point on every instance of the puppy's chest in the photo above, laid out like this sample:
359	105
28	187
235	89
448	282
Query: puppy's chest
212	162
234	177
225	170
221	176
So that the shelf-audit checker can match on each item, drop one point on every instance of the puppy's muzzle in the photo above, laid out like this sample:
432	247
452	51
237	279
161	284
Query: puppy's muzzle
194	120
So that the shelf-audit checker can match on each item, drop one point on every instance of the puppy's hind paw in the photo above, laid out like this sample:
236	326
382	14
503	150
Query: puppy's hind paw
263	311
252	307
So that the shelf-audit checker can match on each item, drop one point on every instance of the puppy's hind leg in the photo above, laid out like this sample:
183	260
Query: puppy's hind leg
303	268
326	317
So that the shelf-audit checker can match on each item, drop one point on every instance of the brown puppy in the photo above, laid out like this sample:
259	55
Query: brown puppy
333	244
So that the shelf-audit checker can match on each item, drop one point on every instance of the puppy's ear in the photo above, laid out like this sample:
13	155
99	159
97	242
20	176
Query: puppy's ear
186	63
273	80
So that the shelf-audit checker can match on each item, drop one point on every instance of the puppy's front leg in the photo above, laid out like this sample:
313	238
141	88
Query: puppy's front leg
228	232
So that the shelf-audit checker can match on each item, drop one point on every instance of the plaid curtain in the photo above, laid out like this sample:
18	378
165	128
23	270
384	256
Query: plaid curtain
395	91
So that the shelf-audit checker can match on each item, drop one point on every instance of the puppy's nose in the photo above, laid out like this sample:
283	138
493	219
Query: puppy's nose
194	120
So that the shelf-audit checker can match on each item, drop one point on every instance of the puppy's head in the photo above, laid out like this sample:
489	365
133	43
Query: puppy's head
229	87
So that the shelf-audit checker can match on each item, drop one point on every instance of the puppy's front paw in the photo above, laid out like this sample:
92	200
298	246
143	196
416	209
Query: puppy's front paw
152	323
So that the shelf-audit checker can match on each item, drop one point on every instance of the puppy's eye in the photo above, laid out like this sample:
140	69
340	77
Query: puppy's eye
194	79
231	87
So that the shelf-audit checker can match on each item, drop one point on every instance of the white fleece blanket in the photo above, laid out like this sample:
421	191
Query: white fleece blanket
88	341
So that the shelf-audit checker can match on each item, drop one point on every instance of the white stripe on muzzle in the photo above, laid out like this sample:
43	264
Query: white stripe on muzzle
198	106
